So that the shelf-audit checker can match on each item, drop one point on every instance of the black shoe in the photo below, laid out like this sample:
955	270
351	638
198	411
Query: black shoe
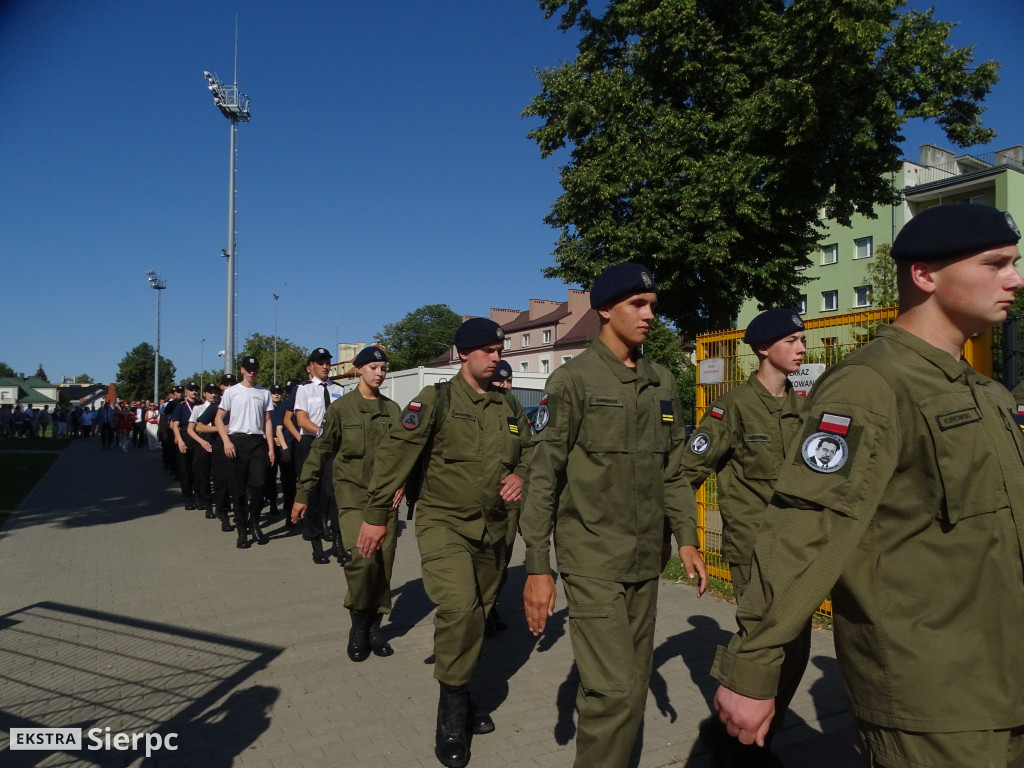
378	644
225	523
478	721
243	540
451	744
210	514
359	636
259	535
342	555
319	556
190	504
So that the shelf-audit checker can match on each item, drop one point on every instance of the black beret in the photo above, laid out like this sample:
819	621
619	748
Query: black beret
957	229
478	332
229	379
621	280
772	325
369	355
502	372
317	355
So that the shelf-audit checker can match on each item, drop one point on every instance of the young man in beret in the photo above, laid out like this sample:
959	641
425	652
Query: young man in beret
476	452
743	439
915	526
605	477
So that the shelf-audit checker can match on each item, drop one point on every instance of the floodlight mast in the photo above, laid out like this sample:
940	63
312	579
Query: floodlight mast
156	283
234	105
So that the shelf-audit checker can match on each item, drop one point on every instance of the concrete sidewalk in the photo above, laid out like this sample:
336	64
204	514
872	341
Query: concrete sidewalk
121	610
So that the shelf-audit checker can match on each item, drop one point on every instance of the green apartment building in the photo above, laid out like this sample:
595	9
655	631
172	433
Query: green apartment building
838	269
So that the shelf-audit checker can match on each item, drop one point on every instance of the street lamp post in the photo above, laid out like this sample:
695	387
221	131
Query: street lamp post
234	105
202	363
156	283
276	297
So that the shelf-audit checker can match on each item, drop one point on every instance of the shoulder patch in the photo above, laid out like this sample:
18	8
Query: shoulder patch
700	442
834	423
411	416
542	417
825	451
667	416
717	412
513	424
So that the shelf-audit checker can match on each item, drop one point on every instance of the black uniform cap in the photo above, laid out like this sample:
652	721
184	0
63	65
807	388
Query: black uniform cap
212	388
956	229
317	355
193	386
179	389
250	363
502	372
276	390
621	280
772	325
369	355
229	379
478	332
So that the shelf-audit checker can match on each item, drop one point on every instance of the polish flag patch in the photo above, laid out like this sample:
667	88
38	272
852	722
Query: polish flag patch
1020	410
414	406
717	412
838	425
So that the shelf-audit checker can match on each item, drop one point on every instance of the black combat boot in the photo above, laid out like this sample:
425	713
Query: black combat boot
225	523
451	745
319	556
338	550
210	514
359	636
258	534
378	644
243	540
477	720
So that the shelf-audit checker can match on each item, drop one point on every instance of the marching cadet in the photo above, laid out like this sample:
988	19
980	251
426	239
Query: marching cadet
276	420
501	381
311	402
355	425
915	524
605	474
202	453
249	444
177	423
743	438
475	445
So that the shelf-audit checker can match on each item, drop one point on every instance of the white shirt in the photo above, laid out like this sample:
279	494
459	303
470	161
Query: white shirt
247	406
198	411
309	397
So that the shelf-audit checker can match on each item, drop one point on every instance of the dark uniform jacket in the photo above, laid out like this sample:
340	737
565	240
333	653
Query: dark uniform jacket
607	470
353	429
743	438
481	441
920	517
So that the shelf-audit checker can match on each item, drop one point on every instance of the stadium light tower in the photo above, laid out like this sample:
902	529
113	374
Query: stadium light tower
156	283
234	105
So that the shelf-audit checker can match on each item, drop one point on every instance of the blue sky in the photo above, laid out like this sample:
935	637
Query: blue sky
385	167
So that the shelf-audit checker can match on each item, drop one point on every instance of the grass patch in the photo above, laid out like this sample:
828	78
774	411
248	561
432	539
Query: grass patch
723	590
34	444
21	472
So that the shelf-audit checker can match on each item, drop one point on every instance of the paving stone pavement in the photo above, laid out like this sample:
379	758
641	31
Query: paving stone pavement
120	610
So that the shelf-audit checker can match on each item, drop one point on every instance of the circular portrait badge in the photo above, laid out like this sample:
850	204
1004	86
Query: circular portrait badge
541	418
700	443
825	452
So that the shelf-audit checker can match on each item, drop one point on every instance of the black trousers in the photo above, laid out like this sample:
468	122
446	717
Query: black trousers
288	480
248	476
138	434
202	473
322	511
106	435
186	475
220	466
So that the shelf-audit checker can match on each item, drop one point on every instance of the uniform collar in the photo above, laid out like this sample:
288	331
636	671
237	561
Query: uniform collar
773	404
644	370
950	367
477	397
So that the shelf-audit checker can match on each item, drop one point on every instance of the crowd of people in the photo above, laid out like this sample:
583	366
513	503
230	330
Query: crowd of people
117	424
896	487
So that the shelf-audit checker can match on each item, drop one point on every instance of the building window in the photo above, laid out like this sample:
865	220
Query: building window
526	339
830	253
566	359
545	365
508	343
547	337
863	248
978	200
524	367
862	296
801	306
829	301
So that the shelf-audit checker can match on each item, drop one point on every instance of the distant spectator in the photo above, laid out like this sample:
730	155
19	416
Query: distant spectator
60	422
44	420
31	421
87	420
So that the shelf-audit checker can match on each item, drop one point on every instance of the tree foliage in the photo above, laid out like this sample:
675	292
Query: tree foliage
419	337
291	359
84	378
135	374
203	378
40	373
881	276
707	136
6	371
663	346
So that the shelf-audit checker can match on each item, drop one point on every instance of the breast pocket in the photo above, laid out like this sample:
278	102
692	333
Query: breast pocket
461	437
971	482
762	457
353	440
604	427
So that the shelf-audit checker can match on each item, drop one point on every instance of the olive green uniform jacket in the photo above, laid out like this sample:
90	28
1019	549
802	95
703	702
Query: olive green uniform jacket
482	440
743	438
917	530
353	429
607	470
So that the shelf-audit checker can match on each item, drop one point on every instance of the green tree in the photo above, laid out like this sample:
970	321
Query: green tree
291	359
706	136
135	374
84	378
40	373
419	337
881	276
6	371
203	378
663	347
